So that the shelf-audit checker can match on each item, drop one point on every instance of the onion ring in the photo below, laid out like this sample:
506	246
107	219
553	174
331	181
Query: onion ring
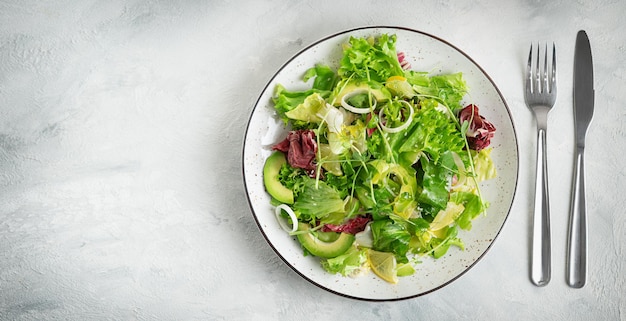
400	128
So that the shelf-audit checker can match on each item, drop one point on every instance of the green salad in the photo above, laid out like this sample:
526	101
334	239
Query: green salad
381	163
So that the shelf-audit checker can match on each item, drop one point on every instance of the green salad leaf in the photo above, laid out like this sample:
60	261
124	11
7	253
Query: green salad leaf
318	201
370	59
325	78
435	180
350	263
391	236
449	88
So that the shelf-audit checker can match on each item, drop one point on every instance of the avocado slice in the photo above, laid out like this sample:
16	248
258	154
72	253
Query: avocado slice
270	178
380	94
338	244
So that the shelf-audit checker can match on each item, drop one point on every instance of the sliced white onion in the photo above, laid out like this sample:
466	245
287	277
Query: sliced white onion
461	177
333	117
401	127
459	163
353	109
365	237
336	144
348	117
281	221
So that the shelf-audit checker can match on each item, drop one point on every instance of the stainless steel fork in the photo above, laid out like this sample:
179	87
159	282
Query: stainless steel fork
540	95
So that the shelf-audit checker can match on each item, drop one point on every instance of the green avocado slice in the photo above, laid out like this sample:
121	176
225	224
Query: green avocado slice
270	178
323	249
380	94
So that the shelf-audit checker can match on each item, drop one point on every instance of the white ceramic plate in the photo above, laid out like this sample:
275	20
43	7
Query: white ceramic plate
425	53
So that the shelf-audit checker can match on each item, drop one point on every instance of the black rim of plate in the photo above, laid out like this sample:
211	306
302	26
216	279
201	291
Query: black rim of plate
347	32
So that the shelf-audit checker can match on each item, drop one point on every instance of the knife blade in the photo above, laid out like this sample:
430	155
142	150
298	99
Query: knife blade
583	112
583	87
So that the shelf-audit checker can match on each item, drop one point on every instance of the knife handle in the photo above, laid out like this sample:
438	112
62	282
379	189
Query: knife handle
540	260
577	244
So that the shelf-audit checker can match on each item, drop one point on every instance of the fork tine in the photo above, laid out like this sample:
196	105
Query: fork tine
553	77
529	72
544	85
538	72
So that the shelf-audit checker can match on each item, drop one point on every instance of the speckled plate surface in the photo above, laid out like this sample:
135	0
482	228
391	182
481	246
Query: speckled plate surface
425	53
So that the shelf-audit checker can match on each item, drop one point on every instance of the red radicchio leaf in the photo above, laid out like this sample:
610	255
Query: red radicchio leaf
480	131
351	226
301	148
403	62
370	131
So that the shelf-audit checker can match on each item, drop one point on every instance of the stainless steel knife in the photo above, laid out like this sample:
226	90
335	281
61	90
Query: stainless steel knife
583	111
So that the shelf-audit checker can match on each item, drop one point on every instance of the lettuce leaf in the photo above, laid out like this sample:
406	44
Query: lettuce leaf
473	207
350	263
325	78
391	236
370	59
435	181
450	88
399	179
432	132
285	100
323	84
292	178
483	165
314	109
440	247
319	201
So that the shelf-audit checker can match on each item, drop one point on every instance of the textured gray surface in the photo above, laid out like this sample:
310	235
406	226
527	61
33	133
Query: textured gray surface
121	127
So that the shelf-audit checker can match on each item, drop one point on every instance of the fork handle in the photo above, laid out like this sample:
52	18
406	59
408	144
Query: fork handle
540	264
577	245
